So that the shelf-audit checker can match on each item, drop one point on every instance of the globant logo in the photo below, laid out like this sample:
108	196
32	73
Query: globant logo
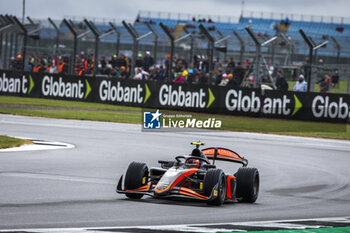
172	121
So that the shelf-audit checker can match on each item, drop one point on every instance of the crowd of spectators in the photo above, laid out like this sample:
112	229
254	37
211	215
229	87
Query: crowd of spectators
145	68
226	73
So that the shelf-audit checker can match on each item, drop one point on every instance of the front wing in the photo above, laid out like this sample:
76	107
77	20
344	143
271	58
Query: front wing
175	192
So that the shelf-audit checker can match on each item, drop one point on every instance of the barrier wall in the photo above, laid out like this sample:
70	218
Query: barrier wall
185	97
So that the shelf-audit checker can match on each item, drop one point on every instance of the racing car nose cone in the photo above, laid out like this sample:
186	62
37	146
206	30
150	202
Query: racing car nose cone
160	189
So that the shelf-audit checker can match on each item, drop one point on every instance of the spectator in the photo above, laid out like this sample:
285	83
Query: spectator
205	64
180	64
180	78
103	62
113	61
205	78
17	64
121	61
218	77
114	73
239	73
325	84
31	64
281	82
230	65
139	61
141	74
147	61
300	85
261	77
233	81
335	78
196	78
108	70
217	64
167	64
183	62
161	74
224	80
63	66
190	76
50	67
123	72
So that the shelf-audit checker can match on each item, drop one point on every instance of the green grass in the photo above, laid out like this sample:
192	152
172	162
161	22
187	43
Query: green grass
341	88
8	142
116	113
123	117
12	100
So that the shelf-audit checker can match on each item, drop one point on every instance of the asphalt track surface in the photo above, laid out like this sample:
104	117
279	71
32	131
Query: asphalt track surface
300	177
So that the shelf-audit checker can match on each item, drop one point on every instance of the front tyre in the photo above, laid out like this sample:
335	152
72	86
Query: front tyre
136	176
247	184
212	178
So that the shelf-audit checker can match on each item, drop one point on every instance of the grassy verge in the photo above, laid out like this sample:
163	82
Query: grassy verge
114	113
38	102
8	142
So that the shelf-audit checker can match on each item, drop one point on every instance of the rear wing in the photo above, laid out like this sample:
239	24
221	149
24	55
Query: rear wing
218	153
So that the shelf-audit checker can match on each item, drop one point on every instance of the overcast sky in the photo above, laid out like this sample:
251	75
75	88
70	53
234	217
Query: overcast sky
128	9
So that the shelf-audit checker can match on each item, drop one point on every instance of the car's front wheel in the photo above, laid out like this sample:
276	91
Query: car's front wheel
136	176
212	178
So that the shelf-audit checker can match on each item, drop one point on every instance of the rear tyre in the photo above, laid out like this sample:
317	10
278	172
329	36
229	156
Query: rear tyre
136	176
247	184
212	178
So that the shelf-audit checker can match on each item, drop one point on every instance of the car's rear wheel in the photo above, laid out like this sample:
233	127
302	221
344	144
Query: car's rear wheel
212	178
136	176
248	181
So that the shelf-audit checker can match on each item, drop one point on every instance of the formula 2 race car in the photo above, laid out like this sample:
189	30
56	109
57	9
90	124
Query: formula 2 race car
193	176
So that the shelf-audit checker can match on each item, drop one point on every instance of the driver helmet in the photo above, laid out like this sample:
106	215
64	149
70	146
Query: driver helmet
194	162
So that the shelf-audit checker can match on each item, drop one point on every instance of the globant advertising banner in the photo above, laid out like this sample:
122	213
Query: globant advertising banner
184	97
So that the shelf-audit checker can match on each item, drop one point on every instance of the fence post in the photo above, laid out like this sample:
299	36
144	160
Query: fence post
156	36
134	36
312	47
57	34
210	45
93	29
72	30
258	54
192	44
172	45
337	45
25	38
242	50
118	36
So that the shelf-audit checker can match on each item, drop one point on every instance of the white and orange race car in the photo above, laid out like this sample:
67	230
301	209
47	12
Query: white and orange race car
193	176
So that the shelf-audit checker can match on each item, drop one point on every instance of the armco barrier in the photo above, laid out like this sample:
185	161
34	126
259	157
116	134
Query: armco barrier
185	97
